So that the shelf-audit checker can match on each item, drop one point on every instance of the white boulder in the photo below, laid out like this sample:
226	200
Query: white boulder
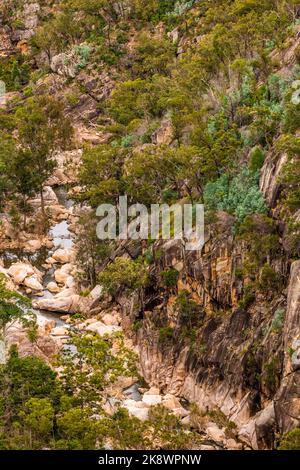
109	319
173	404
61	275
102	329
152	400
53	287
95	294
33	245
137	409
62	256
61	304
59	331
19	271
33	283
215	433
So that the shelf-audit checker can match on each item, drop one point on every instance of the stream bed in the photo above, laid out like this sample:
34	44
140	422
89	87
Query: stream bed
62	238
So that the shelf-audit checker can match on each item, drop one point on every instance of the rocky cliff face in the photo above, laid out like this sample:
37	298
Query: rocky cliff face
242	360
240	363
287	401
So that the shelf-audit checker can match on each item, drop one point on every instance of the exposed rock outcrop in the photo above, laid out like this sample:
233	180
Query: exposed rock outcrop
66	301
269	180
287	400
26	275
164	135
45	347
234	362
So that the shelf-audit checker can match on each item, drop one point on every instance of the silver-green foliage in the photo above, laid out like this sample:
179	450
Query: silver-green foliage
239	196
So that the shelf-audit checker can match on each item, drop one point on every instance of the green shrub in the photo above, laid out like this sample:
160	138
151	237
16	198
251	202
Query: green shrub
127	141
123	274
148	255
73	98
181	6
122	37
166	334
239	273
269	279
28	91
170	277
272	374
239	196
278	320
153	10
247	300
169	432
14	72
188	310
152	55
290	196
201	349
124	102
83	52
292	238
257	159
137	325
260	233
221	420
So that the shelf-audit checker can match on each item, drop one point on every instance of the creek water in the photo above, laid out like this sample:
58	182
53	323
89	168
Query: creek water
62	238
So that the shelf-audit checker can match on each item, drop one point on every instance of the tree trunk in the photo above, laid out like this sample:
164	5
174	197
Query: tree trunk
24	218
42	201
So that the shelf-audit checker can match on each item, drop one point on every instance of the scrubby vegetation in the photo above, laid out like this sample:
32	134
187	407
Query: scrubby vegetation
290	441
123	274
190	99
38	409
